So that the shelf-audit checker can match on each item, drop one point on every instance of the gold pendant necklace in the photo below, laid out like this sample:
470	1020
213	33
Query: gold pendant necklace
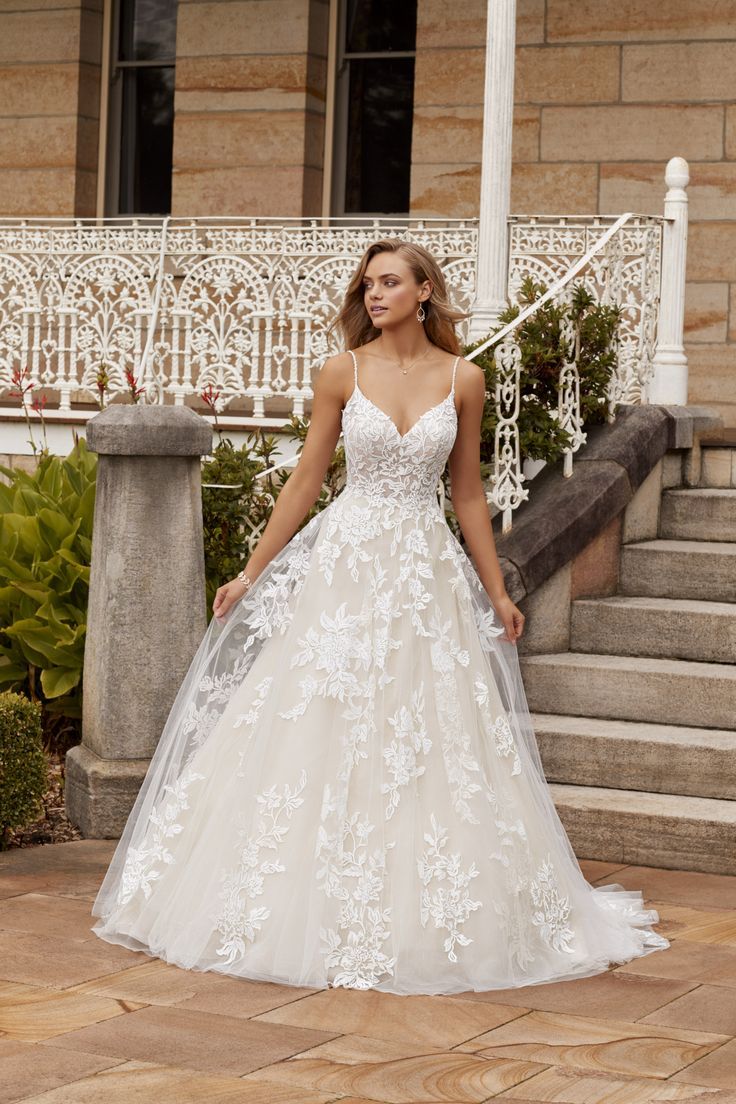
405	370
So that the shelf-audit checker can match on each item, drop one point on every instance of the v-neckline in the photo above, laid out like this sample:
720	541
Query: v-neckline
389	419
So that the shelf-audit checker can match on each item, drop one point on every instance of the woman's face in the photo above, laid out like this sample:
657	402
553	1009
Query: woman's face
390	291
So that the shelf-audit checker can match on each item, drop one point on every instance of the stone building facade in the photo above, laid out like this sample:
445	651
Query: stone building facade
606	92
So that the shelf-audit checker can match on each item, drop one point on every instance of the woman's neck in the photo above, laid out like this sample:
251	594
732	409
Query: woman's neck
403	346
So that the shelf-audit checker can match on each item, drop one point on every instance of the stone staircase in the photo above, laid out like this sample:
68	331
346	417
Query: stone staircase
637	722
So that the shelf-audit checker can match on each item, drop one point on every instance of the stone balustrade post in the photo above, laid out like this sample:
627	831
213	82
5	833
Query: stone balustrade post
669	379
147	612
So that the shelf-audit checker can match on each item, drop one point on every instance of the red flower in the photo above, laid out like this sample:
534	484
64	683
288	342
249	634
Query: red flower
209	395
17	378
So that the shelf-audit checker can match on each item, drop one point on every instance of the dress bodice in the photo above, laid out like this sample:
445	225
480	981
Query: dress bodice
393	468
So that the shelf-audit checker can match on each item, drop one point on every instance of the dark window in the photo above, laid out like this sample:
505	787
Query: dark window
376	94
141	129
381	25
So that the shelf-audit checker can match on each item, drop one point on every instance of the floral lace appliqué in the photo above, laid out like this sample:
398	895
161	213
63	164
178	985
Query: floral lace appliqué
239	919
450	905
498	728
400	755
142	864
355	877
553	909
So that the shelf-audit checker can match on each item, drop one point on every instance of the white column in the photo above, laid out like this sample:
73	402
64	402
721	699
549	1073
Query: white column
495	179
669	379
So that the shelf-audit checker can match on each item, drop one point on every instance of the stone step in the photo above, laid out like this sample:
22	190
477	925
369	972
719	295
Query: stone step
699	513
718	467
631	755
675	628
679	569
647	829
663	691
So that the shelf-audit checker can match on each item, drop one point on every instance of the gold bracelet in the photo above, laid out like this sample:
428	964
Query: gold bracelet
245	580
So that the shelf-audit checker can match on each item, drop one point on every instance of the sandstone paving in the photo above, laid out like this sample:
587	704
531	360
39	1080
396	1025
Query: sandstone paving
572	1087
682	887
158	982
31	1013
610	995
66	869
48	915
689	961
63	962
141	1082
82	1020
717	1069
598	870
450	1077
709	1007
696	925
438	1020
210	1043
617	1047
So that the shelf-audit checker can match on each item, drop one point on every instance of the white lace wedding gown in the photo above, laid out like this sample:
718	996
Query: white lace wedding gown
348	791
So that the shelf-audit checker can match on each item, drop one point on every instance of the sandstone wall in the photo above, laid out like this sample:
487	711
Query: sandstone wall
249	107
606	92
49	106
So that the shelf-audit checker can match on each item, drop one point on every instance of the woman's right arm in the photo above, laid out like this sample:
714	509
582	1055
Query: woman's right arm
302	488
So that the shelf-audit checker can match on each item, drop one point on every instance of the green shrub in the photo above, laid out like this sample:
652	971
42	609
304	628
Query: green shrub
543	353
23	763
45	551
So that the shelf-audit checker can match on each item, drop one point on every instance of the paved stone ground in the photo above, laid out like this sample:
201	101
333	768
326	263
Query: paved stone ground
82	1021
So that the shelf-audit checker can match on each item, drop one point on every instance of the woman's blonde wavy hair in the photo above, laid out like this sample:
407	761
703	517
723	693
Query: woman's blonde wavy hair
356	325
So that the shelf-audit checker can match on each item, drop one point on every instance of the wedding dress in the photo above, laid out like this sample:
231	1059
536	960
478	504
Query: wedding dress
348	791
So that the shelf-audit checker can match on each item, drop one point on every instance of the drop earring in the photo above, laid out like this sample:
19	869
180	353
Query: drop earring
421	315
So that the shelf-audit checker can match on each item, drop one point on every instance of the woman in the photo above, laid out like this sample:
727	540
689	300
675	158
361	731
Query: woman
348	791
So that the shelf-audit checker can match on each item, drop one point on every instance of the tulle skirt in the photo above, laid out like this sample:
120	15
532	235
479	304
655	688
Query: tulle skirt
348	790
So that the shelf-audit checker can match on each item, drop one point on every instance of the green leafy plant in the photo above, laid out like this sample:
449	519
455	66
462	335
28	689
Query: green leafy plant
543	354
45	552
23	763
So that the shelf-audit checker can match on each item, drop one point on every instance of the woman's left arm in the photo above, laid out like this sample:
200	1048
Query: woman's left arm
469	500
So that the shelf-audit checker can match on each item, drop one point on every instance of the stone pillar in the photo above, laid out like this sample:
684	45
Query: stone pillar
669	379
147	612
495	179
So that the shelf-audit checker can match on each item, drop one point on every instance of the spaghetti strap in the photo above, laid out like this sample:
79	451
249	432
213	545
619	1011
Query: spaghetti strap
355	366
454	369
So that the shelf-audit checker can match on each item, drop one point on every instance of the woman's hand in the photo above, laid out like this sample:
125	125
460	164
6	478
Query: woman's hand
511	617
226	597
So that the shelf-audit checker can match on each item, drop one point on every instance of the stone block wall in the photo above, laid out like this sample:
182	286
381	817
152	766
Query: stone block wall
249	107
606	91
50	55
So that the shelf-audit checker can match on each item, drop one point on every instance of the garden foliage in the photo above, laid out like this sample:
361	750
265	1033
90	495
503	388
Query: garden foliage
45	550
23	763
543	354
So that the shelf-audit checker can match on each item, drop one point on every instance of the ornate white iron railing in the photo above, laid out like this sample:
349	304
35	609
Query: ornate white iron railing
618	260
620	264
243	305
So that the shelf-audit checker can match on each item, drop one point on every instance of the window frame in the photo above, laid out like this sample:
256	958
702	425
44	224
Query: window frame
340	144
113	118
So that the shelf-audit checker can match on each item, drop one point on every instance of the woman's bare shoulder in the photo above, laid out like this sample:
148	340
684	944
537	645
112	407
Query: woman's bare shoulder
335	375
469	370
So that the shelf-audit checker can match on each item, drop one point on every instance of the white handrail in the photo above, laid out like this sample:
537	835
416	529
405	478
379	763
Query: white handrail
561	283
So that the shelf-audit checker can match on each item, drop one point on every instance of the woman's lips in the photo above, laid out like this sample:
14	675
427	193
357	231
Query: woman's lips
378	310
